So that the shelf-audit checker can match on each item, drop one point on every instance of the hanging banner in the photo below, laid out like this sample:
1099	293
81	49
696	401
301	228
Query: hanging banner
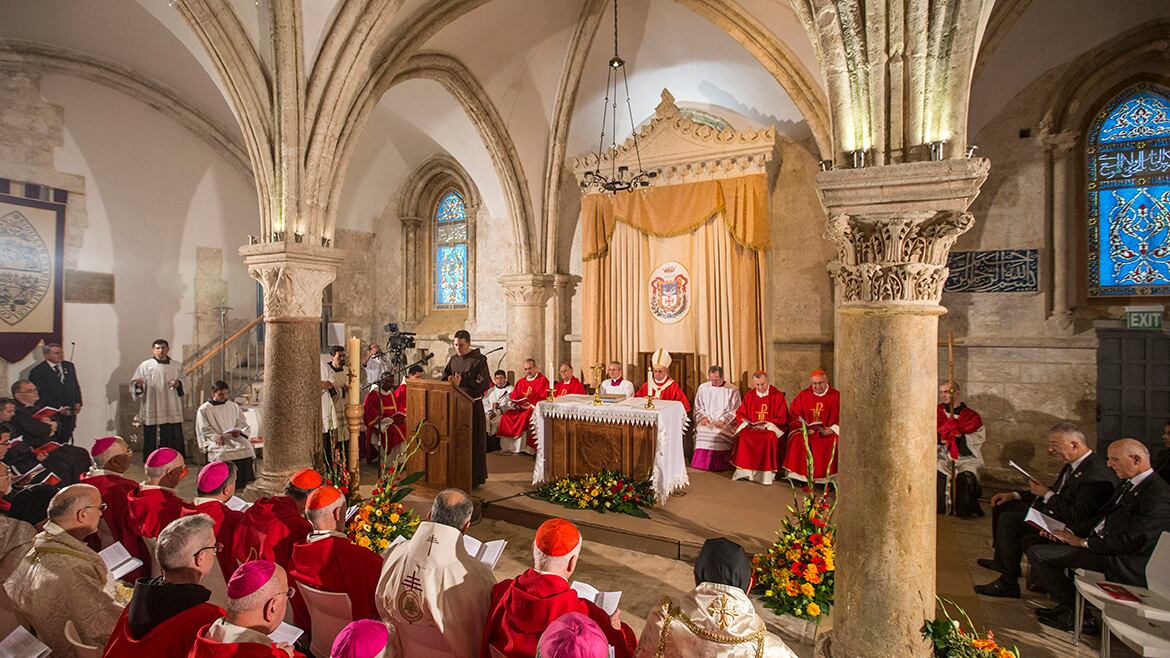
32	244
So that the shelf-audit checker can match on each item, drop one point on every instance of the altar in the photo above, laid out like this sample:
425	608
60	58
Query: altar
574	437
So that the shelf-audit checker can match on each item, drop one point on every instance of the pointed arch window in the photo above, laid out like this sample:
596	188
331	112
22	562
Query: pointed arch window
1129	194
450	251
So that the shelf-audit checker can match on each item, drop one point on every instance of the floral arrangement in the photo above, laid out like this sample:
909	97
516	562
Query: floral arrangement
608	491
334	469
795	575
950	641
383	517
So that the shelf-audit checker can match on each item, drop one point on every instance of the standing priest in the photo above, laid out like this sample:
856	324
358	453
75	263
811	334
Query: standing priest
515	435
716	403
468	370
757	446
661	386
818	408
158	383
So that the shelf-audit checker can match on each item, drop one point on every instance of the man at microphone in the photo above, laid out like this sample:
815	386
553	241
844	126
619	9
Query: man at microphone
468	369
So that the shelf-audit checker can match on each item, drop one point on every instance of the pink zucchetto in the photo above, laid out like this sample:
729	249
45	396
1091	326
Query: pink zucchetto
212	476
365	638
573	636
249	578
163	457
103	444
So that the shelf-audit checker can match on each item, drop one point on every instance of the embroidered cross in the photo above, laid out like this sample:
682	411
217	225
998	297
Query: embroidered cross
413	582
719	608
433	542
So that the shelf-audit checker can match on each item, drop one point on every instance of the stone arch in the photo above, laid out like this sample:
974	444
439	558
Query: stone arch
427	179
45	58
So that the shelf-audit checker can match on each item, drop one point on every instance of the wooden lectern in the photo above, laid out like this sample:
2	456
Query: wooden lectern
446	414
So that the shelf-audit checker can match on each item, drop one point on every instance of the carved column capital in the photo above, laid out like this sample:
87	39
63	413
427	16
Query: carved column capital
410	223
1061	145
294	277
895	225
528	289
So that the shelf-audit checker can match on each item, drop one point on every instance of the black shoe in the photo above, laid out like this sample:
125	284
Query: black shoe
1037	588
989	563
1056	611
1061	622
1001	588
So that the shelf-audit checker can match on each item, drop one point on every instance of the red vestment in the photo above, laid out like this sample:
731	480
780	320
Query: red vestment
388	405
152	509
269	529
572	387
514	422
668	390
226	522
205	648
523	607
335	564
173	637
114	489
818	412
756	449
951	428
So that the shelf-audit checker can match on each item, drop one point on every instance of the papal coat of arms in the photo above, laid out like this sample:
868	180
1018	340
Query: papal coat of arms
670	292
25	268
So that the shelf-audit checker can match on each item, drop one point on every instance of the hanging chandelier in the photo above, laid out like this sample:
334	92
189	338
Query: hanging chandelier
618	178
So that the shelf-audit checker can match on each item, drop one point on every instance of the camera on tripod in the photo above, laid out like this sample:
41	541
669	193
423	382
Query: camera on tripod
399	341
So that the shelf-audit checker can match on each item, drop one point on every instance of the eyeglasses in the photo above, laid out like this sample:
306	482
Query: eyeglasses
288	595
217	547
100	507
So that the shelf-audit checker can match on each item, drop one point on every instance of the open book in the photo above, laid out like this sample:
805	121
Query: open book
349	513
1023	472
45	413
488	552
21	643
397	540
607	601
46	448
1042	521
286	634
118	560
17	476
237	504
15	440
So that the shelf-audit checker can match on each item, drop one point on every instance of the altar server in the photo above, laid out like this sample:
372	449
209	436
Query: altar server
514	431
567	383
257	602
223	433
661	386
818	408
960	443
154	504
272	526
334	376
384	418
111	458
614	383
716	403
495	401
432	591
761	416
158	382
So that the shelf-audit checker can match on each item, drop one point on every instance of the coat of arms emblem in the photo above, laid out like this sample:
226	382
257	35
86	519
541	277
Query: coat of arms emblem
670	296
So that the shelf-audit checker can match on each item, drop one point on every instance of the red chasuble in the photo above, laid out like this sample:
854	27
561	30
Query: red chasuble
205	648
114	489
669	390
269	529
573	387
951	428
756	449
335	564
523	607
226	522
818	412
152	509
514	422
385	406
173	637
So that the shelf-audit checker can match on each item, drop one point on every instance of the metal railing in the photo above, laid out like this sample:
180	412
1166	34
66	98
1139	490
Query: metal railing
238	360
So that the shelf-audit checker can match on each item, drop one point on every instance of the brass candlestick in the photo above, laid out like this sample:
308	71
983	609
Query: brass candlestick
597	370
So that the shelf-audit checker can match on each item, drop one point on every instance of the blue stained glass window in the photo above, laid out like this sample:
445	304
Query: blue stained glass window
450	241
1129	195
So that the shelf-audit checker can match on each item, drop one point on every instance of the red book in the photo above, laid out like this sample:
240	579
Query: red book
1118	592
46	413
47	448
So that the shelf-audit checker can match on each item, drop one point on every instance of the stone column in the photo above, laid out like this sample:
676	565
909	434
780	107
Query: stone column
472	259
559	319
527	296
294	277
415	284
1061	206
893	226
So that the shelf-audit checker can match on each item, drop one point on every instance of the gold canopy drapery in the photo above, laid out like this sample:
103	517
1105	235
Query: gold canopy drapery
718	230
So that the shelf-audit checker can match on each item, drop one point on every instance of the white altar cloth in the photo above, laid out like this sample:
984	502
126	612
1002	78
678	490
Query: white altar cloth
670	465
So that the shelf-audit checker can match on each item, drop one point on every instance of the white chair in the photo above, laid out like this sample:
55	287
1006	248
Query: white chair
81	649
1150	638
151	545
1154	601
330	612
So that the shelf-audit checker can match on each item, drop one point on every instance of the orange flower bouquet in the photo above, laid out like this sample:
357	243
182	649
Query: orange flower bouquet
382	517
951	641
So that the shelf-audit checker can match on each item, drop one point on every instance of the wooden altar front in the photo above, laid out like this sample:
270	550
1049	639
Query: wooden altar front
582	447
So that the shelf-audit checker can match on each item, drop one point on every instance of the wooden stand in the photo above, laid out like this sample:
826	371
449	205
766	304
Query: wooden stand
582	447
446	413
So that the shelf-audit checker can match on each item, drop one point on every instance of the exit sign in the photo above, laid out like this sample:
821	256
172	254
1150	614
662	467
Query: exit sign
1143	317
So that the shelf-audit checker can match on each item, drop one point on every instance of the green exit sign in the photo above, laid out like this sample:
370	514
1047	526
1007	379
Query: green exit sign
1149	318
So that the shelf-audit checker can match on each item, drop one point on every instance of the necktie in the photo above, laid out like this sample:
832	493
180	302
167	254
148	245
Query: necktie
1063	478
60	372
1113	505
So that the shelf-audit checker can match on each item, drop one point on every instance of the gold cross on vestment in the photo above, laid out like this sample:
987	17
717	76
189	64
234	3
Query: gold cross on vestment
720	608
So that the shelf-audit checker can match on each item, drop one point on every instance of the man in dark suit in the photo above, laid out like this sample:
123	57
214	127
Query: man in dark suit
65	461
1119	542
56	381
1081	489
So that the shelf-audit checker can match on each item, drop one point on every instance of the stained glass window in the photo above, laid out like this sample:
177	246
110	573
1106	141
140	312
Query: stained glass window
1129	195
450	240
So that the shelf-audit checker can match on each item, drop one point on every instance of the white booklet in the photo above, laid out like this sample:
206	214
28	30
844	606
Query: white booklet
286	634
118	560
607	601
1042	521
488	552
397	540
237	504
353	509
22	643
1023	472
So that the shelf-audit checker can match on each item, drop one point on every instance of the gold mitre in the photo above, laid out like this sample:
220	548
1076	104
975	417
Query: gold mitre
660	358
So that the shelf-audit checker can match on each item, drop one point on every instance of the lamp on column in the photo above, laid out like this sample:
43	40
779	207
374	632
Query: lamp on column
619	179
857	158
971	148
936	150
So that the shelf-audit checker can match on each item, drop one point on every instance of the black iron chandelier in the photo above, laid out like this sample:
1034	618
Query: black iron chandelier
619	179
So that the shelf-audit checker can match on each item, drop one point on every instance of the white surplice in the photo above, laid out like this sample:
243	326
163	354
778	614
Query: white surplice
494	403
715	403
212	420
714	610
161	404
617	387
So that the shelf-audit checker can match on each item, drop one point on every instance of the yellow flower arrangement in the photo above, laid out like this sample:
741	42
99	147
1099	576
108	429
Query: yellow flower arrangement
951	641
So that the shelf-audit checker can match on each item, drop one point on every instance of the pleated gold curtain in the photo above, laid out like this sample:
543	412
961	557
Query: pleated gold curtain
718	230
